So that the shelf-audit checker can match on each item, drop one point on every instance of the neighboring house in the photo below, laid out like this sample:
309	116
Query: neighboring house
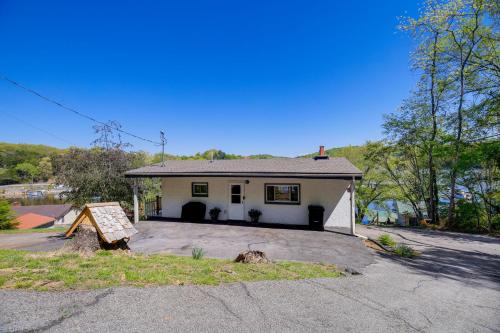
32	220
281	188
60	214
394	212
380	216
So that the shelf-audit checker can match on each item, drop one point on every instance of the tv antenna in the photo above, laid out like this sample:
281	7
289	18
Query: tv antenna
162	142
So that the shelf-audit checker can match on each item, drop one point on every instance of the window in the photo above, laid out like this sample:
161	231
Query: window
235	194
199	189
283	194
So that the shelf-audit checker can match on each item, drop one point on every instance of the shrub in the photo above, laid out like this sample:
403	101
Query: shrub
254	214
7	217
386	239
197	253
214	213
404	251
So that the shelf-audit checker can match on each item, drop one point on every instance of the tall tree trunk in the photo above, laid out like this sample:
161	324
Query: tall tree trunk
433	195
464	62
458	140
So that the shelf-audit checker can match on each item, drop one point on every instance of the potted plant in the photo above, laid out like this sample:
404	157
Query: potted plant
214	213
254	215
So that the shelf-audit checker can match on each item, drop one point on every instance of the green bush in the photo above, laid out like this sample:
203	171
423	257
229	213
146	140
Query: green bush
197	253
7	217
386	239
404	251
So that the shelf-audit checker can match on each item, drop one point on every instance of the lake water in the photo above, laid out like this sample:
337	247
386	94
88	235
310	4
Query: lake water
45	200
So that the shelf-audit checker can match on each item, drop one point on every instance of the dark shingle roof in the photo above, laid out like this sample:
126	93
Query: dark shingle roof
274	167
55	211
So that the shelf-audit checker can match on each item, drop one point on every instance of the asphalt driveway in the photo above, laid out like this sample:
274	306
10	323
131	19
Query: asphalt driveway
223	241
226	241
471	259
43	241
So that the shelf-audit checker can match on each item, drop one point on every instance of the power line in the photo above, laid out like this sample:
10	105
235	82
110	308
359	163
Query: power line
50	100
485	137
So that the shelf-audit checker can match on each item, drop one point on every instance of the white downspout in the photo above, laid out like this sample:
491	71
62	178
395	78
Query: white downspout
136	202
353	207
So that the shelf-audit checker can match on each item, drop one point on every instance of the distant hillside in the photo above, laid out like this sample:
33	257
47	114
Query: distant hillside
14	153
21	162
352	153
26	162
209	154
18	159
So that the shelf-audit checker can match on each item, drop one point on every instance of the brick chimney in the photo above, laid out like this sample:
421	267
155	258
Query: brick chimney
321	155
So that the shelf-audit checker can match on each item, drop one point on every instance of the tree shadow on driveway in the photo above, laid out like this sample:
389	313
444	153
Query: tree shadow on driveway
445	236
473	268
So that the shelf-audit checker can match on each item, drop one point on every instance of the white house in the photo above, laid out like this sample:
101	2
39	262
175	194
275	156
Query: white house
281	188
63	214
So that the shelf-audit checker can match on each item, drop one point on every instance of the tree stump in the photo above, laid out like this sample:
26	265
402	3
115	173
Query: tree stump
86	239
252	257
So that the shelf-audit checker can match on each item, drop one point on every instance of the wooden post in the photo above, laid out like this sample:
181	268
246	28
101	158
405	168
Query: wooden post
158	205
136	202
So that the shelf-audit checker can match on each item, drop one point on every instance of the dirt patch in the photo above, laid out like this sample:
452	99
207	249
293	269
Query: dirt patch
49	285
10	270
374	246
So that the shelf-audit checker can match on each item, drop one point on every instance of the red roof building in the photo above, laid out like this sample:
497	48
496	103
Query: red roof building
32	220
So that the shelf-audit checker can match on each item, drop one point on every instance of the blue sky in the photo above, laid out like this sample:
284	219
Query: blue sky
278	77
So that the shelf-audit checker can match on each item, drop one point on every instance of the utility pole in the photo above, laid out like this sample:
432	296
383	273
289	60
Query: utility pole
162	140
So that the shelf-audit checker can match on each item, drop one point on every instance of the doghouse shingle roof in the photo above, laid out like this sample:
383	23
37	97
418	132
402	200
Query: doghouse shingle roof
337	167
112	221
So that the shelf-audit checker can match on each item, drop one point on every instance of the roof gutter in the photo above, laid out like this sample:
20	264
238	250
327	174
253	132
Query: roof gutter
346	176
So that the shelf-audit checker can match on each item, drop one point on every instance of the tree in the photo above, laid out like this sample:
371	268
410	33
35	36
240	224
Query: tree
97	174
7	217
464	38
27	171
45	168
373	187
482	160
429	58
453	110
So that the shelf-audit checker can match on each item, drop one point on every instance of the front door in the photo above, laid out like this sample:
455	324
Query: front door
236	209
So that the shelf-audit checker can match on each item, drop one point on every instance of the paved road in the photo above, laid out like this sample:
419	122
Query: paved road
389	297
454	286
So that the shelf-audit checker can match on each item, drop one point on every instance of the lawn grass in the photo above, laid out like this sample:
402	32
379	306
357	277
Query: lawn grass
51	271
30	231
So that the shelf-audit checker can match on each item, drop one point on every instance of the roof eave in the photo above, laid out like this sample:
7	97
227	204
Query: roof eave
245	174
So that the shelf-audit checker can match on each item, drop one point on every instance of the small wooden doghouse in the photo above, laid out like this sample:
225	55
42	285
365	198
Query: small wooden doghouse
109	220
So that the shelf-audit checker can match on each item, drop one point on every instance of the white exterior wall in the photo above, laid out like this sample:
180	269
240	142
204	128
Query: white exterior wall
332	194
68	218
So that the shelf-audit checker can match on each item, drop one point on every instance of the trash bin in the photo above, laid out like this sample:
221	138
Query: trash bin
316	217
193	211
